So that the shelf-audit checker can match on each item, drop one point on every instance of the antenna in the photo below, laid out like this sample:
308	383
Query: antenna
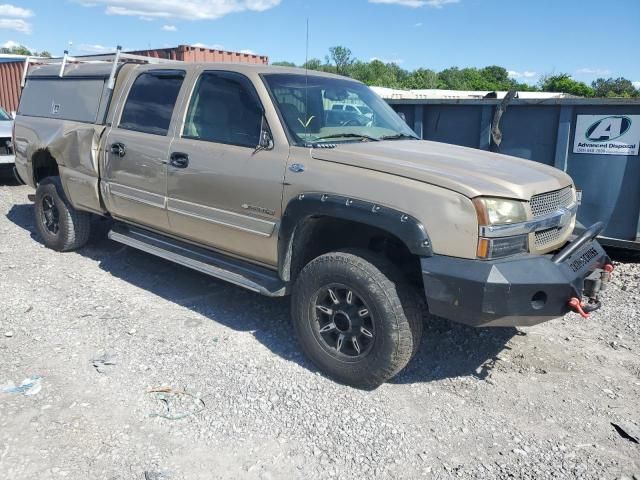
306	83
306	53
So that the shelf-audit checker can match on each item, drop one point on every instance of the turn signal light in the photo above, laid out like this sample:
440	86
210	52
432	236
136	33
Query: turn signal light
502	246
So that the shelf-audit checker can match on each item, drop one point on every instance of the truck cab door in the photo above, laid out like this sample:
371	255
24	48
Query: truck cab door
137	146
223	189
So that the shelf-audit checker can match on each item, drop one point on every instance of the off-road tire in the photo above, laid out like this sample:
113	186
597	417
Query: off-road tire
73	226
396	313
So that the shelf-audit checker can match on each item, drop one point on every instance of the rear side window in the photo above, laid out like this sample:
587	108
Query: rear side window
63	98
224	109
151	101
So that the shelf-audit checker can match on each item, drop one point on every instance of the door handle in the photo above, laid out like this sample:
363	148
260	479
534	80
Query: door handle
118	149
179	160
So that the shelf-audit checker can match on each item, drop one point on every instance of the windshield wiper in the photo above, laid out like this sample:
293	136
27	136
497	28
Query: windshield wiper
346	135
398	136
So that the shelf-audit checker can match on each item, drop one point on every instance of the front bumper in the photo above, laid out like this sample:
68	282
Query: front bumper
516	291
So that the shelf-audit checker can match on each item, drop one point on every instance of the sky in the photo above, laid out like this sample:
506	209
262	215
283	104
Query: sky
585	38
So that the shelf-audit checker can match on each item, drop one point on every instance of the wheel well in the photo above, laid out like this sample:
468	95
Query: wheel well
44	165
316	236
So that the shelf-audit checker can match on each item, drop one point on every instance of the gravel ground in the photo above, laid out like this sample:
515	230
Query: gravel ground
104	325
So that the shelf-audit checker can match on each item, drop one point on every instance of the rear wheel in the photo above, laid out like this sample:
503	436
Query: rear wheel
355	317
60	226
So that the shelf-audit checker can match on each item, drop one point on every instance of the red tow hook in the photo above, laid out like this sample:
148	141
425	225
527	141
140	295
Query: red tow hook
576	305
608	268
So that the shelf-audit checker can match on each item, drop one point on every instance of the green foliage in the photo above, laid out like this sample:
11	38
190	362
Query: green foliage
564	83
420	79
341	57
22	50
16	50
313	64
491	78
615	87
284	64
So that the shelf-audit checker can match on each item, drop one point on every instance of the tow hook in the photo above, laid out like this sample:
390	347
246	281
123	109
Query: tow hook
577	306
594	284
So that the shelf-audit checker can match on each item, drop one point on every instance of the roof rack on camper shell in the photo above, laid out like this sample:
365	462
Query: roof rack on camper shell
114	58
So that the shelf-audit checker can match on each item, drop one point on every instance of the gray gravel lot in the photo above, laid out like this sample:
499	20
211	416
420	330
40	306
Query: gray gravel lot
103	325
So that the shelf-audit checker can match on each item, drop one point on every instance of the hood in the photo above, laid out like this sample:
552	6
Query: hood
5	128
467	171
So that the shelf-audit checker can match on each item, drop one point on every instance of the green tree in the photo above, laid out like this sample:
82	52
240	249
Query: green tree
379	73
614	87
22	50
341	57
420	79
496	75
284	64
16	50
490	78
313	64
452	78
564	83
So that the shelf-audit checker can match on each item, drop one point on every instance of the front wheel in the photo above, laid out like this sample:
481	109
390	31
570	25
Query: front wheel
60	226
355	318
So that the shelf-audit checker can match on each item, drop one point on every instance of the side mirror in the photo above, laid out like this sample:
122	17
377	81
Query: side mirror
402	116
266	140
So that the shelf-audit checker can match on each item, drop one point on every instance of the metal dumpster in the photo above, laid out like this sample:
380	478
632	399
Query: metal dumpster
593	140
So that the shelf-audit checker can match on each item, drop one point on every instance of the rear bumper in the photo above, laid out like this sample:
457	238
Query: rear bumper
517	291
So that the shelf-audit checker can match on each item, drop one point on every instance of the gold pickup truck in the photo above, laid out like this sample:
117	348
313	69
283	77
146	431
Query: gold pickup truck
249	174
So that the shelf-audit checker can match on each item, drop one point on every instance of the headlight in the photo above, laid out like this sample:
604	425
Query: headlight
499	211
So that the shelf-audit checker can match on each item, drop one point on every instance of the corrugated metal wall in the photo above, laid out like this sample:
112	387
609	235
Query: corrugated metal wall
544	131
188	53
10	78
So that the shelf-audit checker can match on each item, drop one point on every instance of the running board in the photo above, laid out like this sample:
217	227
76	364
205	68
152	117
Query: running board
252	277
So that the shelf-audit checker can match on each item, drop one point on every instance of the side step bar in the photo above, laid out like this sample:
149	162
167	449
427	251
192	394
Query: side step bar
252	277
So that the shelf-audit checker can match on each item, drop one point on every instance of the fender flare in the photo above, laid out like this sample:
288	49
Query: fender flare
314	204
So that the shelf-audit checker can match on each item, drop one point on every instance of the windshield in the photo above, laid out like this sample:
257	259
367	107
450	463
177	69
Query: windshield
317	109
4	115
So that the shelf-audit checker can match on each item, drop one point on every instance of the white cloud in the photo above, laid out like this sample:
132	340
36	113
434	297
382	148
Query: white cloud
526	74
397	61
10	44
12	18
215	46
248	51
184	9
636	84
593	71
417	3
418	25
169	28
7	10
95	48
16	24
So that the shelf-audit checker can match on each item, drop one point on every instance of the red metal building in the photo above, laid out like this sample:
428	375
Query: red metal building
188	53
11	69
10	78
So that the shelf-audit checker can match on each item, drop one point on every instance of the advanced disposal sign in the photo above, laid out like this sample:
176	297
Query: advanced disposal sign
607	134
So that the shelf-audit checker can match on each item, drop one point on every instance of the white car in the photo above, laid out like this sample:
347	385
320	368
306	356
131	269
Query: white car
7	158
347	107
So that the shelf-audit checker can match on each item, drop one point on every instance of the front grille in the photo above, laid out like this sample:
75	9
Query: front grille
546	203
5	146
547	237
